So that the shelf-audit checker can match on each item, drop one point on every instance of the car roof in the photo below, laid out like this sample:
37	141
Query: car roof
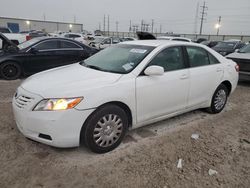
156	43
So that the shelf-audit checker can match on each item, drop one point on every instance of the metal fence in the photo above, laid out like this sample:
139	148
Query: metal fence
245	38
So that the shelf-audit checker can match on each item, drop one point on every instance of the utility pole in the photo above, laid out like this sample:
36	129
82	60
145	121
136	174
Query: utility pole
130	26
141	25
152	26
203	14
74	19
44	16
99	26
108	25
104	24
117	27
196	18
218	25
160	28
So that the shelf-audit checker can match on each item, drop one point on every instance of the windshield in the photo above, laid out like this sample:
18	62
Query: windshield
245	49
120	58
28	43
229	45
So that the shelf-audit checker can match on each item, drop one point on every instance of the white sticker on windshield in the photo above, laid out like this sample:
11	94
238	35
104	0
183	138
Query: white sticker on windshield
139	51
127	66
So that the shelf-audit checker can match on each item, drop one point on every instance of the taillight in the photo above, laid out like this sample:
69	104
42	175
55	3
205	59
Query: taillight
28	37
237	68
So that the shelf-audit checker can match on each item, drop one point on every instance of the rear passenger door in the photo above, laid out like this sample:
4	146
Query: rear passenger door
206	73
71	52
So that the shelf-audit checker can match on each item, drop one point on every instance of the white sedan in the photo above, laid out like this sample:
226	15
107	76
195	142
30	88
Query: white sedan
123	87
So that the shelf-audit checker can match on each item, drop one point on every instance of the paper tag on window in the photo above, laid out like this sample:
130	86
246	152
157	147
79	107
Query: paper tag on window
139	51
127	66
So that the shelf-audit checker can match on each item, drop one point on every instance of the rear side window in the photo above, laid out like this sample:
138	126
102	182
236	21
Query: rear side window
212	59
170	59
47	45
197	56
74	36
66	44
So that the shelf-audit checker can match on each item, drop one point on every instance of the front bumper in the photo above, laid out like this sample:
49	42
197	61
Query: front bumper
55	128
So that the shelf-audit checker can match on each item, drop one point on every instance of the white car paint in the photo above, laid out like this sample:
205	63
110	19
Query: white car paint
78	37
174	38
16	37
149	98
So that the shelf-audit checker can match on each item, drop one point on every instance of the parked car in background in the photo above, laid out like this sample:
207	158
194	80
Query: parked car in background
104	42
33	34
75	36
16	38
122	87
174	38
200	40
210	43
228	47
128	39
242	58
39	54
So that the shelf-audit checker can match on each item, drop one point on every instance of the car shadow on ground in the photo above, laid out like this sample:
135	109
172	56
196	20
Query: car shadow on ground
244	83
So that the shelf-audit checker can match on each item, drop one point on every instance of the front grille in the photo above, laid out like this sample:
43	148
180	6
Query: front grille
23	102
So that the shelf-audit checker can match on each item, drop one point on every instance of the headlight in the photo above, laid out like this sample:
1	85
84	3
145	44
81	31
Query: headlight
57	104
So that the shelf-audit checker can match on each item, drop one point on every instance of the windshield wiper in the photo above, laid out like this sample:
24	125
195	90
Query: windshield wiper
90	66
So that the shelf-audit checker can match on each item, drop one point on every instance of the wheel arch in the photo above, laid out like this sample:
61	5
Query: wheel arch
228	85
122	105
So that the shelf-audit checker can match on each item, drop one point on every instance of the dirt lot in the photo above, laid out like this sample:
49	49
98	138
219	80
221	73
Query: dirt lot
147	158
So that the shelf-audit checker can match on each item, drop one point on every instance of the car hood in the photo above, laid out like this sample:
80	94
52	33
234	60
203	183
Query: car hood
239	56
68	81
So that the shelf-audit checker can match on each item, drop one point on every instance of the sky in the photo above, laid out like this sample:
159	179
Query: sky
178	16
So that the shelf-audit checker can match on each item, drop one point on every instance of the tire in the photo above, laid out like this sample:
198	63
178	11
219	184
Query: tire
219	99
10	70
105	129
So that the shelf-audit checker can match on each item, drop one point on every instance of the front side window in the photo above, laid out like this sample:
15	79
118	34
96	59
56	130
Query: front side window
197	56
170	59
48	45
120	58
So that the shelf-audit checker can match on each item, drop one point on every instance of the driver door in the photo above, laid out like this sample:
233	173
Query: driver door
161	95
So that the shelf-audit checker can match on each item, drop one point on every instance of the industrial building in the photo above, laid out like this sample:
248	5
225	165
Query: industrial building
18	25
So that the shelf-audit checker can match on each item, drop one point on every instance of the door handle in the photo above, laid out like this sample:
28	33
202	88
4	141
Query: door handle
184	76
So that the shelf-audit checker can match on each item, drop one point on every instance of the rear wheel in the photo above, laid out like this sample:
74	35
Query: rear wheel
105	129
10	70
219	99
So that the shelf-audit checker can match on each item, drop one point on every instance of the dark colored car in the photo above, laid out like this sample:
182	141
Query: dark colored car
228	47
39	54
242	58
210	44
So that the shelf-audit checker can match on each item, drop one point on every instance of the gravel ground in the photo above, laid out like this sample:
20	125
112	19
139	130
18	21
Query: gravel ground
148	156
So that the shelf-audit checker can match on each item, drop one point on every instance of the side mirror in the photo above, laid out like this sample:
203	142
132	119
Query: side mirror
154	70
33	50
236	50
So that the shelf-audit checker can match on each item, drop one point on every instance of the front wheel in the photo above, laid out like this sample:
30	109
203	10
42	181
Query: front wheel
219	99
105	129
10	70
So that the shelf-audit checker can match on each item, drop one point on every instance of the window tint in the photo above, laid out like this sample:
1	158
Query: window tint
4	30
184	40
170	59
212	59
197	56
48	45
66	44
